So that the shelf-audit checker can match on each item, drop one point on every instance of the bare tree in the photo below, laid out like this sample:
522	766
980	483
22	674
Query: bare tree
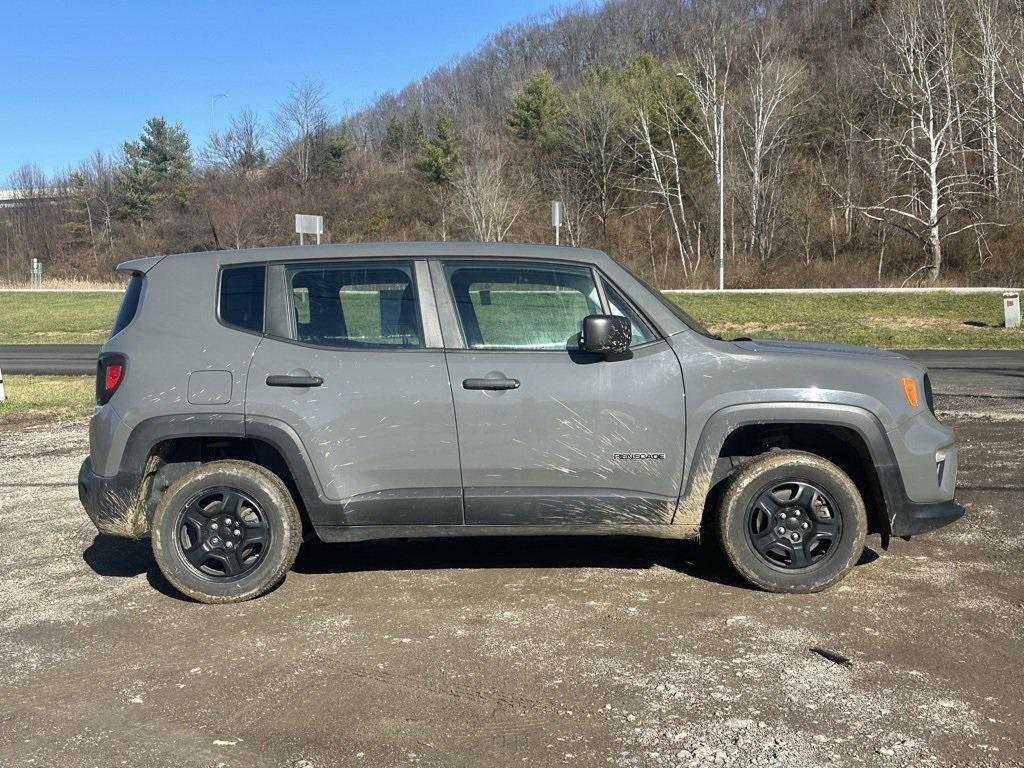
240	148
567	185
924	142
492	192
300	128
660	153
989	44
1011	81
766	117
596	118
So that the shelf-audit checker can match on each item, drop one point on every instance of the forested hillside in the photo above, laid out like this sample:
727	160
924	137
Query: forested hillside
820	142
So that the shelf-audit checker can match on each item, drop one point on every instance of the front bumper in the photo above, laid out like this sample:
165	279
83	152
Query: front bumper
912	518
112	503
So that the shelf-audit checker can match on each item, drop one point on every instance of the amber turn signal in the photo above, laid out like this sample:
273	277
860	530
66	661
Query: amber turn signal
910	390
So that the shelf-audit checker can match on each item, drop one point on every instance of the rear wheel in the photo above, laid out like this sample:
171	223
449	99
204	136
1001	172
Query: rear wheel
225	532
792	522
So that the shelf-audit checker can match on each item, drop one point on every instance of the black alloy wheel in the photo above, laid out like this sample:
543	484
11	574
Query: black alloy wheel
223	533
794	525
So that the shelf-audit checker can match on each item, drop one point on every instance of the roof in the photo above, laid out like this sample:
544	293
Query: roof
370	250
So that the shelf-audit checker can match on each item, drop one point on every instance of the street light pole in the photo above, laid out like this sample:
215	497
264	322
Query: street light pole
721	196
213	111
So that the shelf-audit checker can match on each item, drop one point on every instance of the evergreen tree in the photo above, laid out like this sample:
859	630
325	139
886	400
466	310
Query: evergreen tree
136	186
402	138
537	111
437	157
338	151
157	167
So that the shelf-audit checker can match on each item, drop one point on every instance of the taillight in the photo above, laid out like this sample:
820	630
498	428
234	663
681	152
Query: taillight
113	376
110	370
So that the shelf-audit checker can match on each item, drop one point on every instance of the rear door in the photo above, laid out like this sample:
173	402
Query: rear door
550	434
354	366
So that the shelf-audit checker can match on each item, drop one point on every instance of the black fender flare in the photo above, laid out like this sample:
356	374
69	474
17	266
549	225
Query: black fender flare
149	433
697	481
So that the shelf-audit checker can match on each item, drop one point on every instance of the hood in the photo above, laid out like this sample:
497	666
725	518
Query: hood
817	348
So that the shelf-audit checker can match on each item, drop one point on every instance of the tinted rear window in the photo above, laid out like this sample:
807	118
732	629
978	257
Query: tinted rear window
241	297
129	304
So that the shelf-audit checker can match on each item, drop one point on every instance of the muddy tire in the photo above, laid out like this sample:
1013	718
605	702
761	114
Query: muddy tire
791	521
226	532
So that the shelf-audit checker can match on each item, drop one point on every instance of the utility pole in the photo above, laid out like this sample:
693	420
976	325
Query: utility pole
213	111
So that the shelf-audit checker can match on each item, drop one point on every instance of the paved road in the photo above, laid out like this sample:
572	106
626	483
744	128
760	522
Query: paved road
48	358
963	372
974	372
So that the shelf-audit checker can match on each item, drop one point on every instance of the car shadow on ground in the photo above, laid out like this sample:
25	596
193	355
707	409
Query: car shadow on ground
124	558
127	558
703	561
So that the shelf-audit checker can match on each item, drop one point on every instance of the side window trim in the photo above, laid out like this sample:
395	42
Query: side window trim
278	320
451	329
430	323
606	308
652	330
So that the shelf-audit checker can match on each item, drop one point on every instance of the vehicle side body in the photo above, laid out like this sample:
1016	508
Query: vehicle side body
396	442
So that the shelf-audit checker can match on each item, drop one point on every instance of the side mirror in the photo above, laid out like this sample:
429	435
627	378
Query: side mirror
607	334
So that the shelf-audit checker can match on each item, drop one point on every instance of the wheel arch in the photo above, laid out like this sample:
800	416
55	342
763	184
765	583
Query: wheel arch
849	436
161	449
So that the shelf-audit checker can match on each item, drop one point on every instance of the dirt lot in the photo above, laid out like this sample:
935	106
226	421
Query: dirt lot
501	652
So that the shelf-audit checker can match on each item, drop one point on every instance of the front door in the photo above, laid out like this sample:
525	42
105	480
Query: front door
549	434
348	370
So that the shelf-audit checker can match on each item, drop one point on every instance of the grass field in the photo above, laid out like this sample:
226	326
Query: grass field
46	398
920	320
71	317
896	320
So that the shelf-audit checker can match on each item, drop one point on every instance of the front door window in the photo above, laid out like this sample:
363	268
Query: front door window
522	307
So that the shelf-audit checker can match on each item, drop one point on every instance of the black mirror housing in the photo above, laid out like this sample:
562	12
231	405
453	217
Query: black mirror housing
607	334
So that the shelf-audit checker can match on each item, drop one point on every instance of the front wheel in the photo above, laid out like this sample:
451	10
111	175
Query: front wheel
225	532
792	522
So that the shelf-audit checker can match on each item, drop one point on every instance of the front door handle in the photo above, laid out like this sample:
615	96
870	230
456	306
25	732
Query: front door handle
294	381
490	383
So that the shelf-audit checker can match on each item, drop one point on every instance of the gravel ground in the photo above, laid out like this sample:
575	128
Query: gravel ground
582	652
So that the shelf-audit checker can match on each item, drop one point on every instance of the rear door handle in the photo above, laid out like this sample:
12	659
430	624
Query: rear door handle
490	383
294	381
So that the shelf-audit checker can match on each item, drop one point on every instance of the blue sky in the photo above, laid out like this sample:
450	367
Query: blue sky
82	76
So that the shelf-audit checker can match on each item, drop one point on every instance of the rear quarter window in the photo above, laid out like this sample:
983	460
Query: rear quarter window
241	297
129	304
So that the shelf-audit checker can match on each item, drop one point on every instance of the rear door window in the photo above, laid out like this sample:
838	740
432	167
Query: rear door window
241	297
355	305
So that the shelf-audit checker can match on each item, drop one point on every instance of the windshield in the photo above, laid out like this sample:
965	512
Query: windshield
675	309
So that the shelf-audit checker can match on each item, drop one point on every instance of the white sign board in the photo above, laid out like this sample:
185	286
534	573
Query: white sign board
556	217
305	224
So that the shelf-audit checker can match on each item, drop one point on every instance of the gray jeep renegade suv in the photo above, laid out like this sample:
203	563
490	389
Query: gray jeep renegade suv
249	399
